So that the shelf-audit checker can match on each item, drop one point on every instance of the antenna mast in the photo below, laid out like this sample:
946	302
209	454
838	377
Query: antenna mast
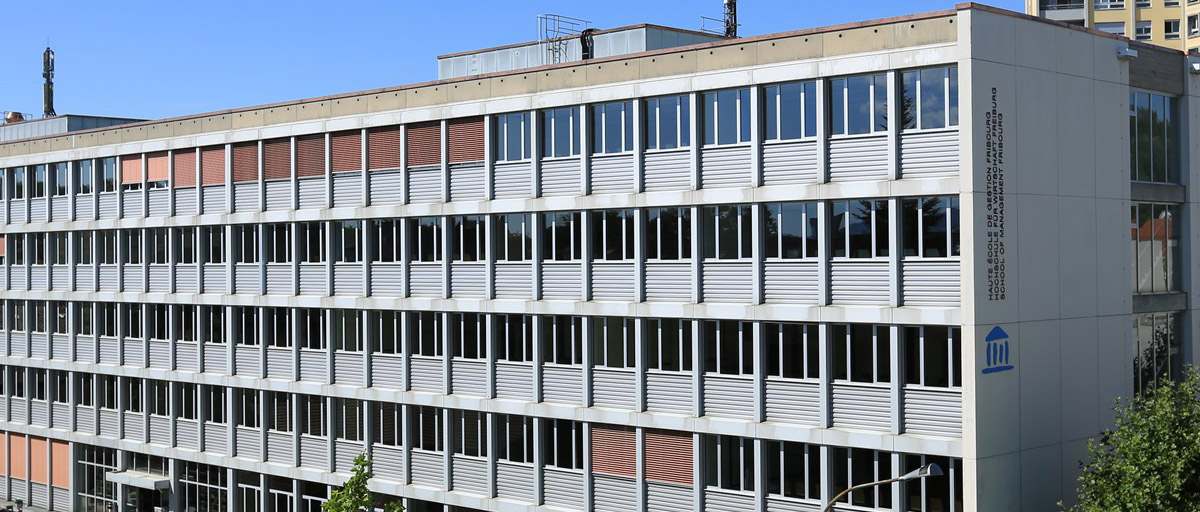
731	23
48	88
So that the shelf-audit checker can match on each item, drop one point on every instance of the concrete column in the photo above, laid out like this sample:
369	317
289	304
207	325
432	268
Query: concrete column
756	137
825	354
536	150
822	131
639	254
696	141
588	339
585	151
895	348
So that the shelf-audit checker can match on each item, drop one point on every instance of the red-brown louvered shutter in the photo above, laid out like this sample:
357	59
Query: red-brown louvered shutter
277	159
212	165
131	169
310	155
424	144
383	147
185	167
3	245
156	166
614	451
347	151
465	140
669	456
39	467
245	162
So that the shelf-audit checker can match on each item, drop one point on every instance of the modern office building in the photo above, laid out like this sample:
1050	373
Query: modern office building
1171	23
738	275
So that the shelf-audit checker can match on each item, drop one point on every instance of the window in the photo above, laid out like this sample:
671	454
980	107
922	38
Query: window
861	352
1103	5
203	488
1193	27
1141	3
929	98
158	393
133	395
96	493
38	308
387	332
856	466
425	239
108	174
85	389
214	244
613	342
726	116
1158	351
17	183
470	433
562	339
156	245
612	127
933	356
60	169
560	132
561	236
1171	29
83	248
38	184
387	419
512	137
514	438
1153	138
425	333
37	247
347	330
1141	29
727	232
108	319
793	470
942	494
185	245
277	327
310	242
311	328
860	228
58	247
215	407
277	243
728	347
468	334
83	177
669	233
312	415
668	122
790	111
386	248
514	338
425	429
348	420
132	318
186	403
1116	28
214	324
62	382
728	462
83	318
791	230
17	241
793	350
156	321
279	411
16	386
668	343
245	326
185	322
930	226
858	105
347	241
513	237
562	443
245	243
39	387
470	238
1156	249
106	247
612	235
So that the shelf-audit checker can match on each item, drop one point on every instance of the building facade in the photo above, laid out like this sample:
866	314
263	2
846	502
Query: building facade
734	276
1170	23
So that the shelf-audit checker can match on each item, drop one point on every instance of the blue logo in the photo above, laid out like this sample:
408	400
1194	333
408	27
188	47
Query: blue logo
997	351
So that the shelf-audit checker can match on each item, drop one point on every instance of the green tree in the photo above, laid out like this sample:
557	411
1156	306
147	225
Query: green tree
354	496
1150	460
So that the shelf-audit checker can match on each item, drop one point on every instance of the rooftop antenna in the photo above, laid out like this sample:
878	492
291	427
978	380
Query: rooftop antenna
555	31
48	88
726	26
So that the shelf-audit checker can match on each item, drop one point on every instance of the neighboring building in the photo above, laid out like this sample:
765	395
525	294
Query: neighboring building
1171	23
739	275
57	125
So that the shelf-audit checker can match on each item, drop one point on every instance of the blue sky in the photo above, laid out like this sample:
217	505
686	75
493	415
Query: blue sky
163	58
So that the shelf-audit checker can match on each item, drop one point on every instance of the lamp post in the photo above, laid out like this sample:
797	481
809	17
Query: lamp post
921	472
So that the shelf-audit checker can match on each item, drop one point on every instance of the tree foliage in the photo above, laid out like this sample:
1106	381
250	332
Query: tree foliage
354	496
1150	460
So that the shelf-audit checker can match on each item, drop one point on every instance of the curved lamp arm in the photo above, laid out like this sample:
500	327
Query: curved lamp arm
921	472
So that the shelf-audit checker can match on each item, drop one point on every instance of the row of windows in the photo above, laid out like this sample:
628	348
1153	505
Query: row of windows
1156	250
929	228
860	352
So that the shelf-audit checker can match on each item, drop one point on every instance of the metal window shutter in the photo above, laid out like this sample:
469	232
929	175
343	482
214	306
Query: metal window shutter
16	456
131	168
669	456
185	167
156	166
424	144
212	165
277	159
60	463
614	451
347	151
3	252
310	155
245	162
383	147
39	470
465	140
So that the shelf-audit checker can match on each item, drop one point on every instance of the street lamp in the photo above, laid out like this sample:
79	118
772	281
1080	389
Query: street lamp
921	472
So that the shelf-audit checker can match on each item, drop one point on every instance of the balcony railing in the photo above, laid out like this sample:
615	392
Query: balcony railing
1062	5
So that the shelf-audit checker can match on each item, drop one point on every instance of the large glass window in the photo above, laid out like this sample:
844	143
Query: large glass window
793	350
513	237
312	415
38	183
858	105
347	241
311	329
727	232
791	230
203	488
514	338
790	111
669	233
310	242
940	494
514	438
668	343
930	226
856	466
425	333
17	183
425	428
470	433
1156	250
933	356
561	240
387	332
727	116
929	98
861	353
425	239
214	240
729	462
279	411
612	235
95	492
1153	138
512	137
348	419
468	335
793	470
560	132
728	347
613	342
60	178
470	238
108	174
347	330
277	240
668	122
387	420
562	339
1158	349
860	228
386	248
83	177
612	127
562	443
